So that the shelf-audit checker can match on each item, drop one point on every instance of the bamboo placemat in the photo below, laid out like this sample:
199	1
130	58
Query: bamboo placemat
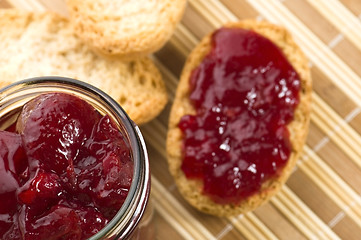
321	200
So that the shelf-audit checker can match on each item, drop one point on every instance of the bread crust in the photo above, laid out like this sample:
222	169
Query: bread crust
127	29
298	128
44	44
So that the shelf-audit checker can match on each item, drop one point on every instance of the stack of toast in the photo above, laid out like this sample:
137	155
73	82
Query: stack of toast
101	44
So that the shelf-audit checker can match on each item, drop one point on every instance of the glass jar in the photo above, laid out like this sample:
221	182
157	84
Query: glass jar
127	223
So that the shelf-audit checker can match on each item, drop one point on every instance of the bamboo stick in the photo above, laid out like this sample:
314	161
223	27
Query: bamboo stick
342	18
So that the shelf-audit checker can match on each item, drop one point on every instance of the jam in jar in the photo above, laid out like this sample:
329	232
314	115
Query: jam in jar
72	164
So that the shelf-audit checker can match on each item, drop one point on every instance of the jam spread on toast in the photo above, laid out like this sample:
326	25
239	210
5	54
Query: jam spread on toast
245	93
65	170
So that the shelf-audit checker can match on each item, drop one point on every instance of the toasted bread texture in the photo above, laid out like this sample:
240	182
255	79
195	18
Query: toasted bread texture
44	44
125	28
192	189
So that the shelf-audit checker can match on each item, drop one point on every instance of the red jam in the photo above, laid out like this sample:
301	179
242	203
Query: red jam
245	93
64	172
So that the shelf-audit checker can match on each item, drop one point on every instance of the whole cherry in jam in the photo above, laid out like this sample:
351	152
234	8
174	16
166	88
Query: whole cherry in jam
64	172
245	92
54	126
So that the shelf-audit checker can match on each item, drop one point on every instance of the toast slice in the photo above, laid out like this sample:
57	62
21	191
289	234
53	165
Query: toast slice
192	189
125	28
44	44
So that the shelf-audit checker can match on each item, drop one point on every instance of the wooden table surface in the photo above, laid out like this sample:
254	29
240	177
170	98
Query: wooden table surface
321	200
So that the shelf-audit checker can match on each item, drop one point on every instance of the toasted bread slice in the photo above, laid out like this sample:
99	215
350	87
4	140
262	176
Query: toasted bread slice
44	44
125	28
192	189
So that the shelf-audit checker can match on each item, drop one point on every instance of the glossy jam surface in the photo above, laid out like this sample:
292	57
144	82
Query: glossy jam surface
64	171
245	93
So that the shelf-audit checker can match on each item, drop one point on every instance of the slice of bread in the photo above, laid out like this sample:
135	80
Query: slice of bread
125	28
44	44
192	189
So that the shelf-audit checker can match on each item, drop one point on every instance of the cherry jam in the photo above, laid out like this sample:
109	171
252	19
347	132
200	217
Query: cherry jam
245	92
65	170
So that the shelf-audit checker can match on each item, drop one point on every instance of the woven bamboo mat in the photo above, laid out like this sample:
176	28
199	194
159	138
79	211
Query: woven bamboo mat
321	200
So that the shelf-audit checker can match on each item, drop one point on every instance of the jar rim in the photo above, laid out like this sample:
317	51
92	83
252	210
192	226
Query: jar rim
140	157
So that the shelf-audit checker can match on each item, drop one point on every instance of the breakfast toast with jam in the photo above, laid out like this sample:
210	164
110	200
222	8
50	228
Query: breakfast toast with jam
240	117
